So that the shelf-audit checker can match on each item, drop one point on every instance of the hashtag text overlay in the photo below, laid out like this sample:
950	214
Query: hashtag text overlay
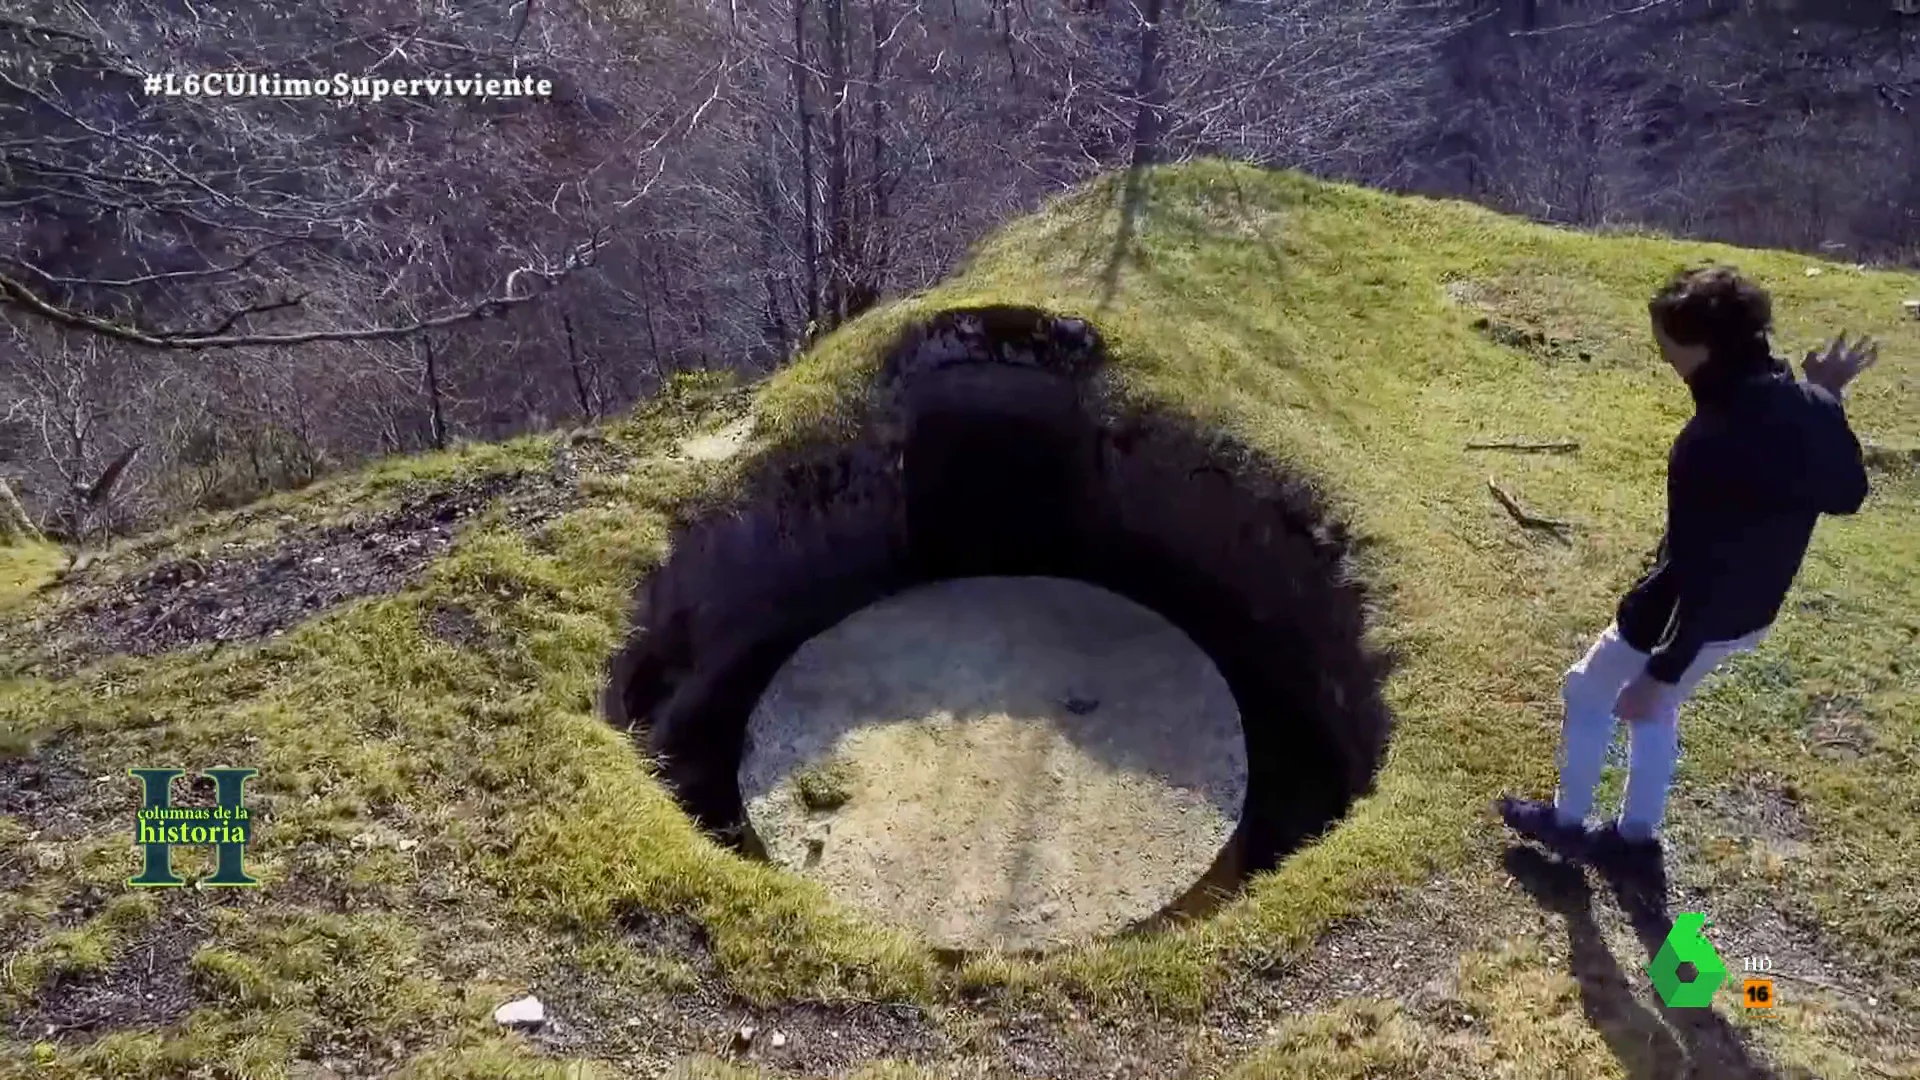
252	84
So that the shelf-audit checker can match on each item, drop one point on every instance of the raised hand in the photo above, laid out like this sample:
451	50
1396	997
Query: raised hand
1840	363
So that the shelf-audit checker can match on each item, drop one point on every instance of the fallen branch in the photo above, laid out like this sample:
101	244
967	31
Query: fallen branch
1526	520
14	293
1527	447
1589	24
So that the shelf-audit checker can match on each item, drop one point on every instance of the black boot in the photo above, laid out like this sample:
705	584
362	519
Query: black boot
1537	821
1637	868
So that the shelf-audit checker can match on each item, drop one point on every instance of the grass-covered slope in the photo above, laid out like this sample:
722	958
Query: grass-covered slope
444	823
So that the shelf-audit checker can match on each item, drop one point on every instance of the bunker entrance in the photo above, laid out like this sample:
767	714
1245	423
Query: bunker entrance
1016	625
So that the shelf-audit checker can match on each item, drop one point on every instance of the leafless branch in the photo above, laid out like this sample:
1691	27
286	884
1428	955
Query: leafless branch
1588	24
13	293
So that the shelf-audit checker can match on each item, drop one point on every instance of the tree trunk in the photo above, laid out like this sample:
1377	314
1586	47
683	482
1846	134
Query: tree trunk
774	329
436	419
1006	42
1147	89
877	252
579	377
810	242
839	229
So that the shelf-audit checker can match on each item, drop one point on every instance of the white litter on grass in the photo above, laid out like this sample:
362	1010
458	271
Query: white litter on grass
527	1011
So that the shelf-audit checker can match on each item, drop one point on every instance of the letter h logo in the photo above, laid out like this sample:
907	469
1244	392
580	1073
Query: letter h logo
160	825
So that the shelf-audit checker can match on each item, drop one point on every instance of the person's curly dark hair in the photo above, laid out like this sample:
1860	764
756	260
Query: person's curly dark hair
1714	306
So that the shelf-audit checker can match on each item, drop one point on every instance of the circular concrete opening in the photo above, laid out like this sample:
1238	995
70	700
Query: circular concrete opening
992	450
1004	762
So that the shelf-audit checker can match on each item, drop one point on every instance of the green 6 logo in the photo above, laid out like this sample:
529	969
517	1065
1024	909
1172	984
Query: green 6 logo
1686	945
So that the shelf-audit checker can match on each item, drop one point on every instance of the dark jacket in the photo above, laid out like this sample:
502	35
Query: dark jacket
1762	458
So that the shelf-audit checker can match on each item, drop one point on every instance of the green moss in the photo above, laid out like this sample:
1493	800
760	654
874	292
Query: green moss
223	974
827	786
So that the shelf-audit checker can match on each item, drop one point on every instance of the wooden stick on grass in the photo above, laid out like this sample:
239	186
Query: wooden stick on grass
1527	447
1526	520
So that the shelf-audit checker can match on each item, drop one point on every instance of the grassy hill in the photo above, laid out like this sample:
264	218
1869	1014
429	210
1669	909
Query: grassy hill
445	822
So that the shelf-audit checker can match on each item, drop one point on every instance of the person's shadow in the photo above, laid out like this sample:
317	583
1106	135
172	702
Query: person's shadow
1691	1043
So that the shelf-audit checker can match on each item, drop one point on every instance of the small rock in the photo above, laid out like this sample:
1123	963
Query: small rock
407	844
743	1039
779	1039
525	1012
1814	271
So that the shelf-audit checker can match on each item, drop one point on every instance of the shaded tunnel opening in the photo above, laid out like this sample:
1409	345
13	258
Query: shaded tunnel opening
996	449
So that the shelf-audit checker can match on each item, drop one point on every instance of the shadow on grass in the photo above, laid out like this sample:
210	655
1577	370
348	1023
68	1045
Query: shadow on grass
1227	298
1650	1045
1133	196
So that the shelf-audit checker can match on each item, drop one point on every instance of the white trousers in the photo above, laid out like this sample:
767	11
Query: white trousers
1590	688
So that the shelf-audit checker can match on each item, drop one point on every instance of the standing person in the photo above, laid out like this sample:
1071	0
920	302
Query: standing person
1763	456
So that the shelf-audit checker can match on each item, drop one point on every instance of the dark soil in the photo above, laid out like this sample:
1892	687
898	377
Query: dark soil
44	793
146	986
1537	343
655	1031
456	624
243	595
192	600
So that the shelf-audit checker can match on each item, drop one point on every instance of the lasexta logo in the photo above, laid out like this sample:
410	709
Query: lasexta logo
1685	944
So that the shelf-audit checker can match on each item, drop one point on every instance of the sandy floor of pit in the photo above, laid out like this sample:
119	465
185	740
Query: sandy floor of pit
983	809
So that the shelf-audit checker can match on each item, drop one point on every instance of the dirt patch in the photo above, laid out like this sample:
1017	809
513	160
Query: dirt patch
455	624
1837	729
45	791
676	937
1537	343
1766	809
718	445
1026	761
651	1033
147	985
233	596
